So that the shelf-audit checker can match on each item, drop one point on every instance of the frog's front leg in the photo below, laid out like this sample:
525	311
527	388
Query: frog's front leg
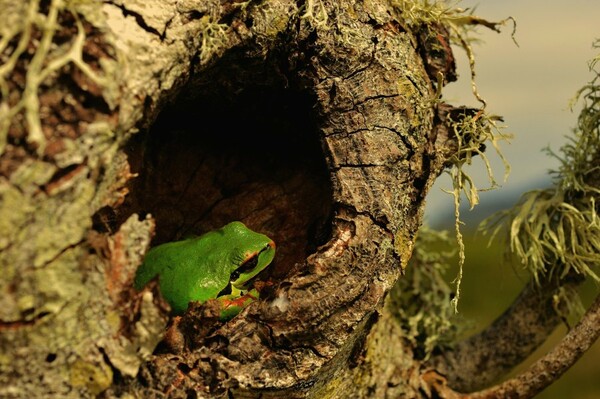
234	303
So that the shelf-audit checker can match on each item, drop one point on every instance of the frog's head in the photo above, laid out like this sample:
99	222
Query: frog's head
254	263
257	252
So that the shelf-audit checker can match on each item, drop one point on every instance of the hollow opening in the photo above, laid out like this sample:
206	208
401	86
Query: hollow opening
254	157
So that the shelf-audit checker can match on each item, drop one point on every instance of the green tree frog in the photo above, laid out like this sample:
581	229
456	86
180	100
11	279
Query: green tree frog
215	265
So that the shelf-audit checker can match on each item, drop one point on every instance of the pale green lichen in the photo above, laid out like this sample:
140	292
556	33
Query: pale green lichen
420	299
315	13
567	304
95	377
471	131
47	60
461	22
214	37
556	231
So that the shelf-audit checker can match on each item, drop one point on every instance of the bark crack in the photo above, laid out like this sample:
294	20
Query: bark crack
20	323
353	212
139	18
61	252
358	165
376	97
409	146
366	67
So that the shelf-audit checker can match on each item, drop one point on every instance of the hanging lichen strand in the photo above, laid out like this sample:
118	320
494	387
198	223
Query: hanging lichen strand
555	231
473	128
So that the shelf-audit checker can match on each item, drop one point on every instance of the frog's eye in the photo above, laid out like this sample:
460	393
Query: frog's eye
235	275
269	245
247	266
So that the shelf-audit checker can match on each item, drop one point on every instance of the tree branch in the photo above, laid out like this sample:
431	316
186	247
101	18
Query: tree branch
509	340
550	367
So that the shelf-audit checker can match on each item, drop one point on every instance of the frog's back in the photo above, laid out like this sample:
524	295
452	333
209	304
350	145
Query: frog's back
186	270
157	261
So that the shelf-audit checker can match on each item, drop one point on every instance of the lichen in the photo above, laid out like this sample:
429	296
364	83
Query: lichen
556	231
460	22
214	37
472	131
47	60
94	377
315	13
420	299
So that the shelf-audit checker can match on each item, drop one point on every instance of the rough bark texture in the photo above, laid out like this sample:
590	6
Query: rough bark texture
319	133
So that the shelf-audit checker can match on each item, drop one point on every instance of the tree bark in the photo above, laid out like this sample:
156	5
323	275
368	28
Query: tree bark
312	123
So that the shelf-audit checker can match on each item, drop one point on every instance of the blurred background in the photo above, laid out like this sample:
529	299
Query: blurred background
530	86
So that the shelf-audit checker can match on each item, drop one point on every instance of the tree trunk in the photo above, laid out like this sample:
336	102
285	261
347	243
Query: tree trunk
313	125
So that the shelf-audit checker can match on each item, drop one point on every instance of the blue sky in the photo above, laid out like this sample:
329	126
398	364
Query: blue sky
529	85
